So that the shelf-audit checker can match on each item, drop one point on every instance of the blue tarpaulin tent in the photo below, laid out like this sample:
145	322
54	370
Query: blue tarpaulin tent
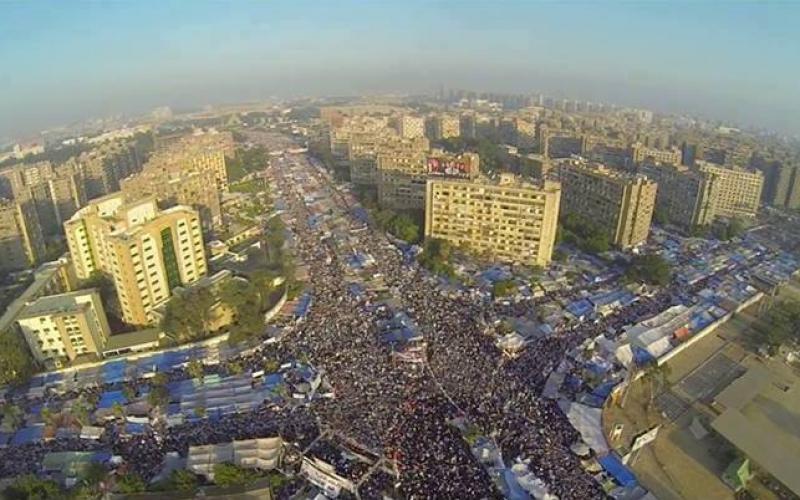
303	306
618	471
27	435
108	399
641	356
114	372
603	390
580	308
132	428
361	214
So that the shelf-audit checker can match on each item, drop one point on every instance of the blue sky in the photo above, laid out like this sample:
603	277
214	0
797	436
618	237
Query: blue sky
67	60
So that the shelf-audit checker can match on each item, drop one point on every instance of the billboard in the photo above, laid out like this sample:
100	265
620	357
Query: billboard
448	167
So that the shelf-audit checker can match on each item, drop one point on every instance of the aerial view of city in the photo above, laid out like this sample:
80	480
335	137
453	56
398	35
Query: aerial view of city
459	249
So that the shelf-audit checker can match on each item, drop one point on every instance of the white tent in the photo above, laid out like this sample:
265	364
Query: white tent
587	421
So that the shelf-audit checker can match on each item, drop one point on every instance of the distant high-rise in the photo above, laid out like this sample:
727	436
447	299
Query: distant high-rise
411	127
102	168
640	153
443	127
21	241
738	191
685	197
620	203
781	185
145	251
190	171
510	220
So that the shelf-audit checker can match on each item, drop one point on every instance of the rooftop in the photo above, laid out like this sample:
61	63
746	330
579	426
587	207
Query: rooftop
761	417
62	303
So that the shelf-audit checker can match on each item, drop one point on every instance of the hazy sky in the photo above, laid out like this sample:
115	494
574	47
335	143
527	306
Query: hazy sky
66	60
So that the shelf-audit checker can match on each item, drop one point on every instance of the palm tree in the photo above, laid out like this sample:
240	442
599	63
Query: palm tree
657	377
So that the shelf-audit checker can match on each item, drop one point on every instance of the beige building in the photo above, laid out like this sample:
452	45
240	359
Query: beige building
444	127
146	251
403	174
738	191
67	194
621	203
102	168
65	326
56	193
510	220
199	151
191	170
640	153
365	149
21	241
196	188
411	127
685	197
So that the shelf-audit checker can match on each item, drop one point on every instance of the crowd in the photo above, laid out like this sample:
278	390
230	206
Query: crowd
377	404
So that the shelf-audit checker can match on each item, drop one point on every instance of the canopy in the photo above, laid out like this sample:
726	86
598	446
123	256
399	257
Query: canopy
612	464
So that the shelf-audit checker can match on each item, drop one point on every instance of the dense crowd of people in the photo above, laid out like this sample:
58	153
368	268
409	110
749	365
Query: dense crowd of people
379	404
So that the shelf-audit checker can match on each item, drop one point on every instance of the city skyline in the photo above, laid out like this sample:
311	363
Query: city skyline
73	62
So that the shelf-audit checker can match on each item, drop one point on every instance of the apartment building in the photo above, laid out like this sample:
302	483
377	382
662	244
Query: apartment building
146	251
738	191
621	203
21	240
781	184
103	167
61	327
511	220
200	151
199	189
443	127
685	197
365	148
639	153
411	127
403	174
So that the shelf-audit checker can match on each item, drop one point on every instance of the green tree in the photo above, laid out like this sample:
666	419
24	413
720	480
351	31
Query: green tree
503	288
30	487
117	410
649	268
195	369
80	411
130	483
13	417
660	218
435	257
159	378
158	396
657	377
182	480
228	474
235	368
129	392
104	286
16	363
47	416
271	365
94	474
188	315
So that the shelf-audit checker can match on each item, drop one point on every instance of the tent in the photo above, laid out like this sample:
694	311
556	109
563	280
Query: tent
109	398
621	474
587	421
27	435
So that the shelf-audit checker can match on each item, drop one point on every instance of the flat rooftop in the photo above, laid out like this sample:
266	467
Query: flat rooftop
761	417
62	303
